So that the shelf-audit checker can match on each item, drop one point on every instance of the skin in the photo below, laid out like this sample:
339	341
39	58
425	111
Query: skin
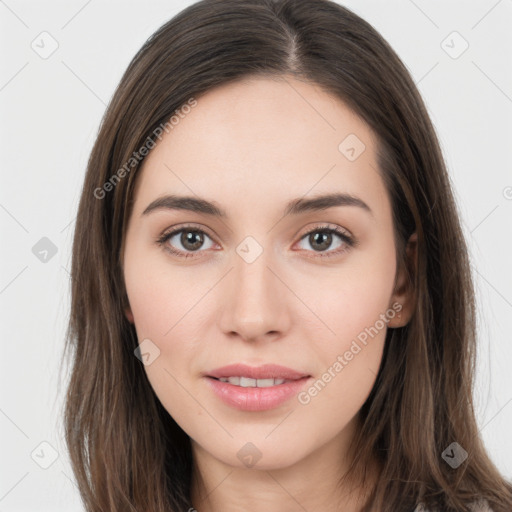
251	147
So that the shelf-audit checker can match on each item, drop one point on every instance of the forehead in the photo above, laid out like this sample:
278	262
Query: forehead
263	140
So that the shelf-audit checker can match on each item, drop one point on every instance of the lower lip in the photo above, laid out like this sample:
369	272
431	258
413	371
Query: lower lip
256	399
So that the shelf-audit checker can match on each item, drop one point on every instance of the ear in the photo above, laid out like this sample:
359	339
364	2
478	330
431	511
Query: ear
404	294
129	315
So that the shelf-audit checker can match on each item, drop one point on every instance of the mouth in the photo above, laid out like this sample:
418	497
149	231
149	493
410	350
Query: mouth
247	382
256	388
253	376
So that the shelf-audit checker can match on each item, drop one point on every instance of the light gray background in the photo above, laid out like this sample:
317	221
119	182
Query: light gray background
50	113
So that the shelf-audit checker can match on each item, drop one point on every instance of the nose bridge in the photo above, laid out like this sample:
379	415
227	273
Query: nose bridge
255	303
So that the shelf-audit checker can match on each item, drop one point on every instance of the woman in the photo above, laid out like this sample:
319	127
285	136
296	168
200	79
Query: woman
271	289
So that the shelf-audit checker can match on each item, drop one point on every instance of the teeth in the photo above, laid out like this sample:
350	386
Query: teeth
246	382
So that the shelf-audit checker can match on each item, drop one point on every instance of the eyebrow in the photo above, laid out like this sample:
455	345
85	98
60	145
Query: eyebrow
294	207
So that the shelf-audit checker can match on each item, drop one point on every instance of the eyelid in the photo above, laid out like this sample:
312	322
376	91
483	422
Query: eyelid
190	226
327	226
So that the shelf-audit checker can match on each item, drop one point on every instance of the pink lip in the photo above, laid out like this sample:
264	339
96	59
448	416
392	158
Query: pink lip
266	371
256	399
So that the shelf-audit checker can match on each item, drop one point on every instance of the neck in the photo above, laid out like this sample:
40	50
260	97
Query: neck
312	483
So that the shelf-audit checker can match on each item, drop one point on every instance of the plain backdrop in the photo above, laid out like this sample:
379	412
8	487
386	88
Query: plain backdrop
50	110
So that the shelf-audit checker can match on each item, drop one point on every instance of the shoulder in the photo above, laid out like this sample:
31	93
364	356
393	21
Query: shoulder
477	506
481	506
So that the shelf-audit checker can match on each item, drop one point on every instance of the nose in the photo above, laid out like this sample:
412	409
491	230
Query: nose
255	301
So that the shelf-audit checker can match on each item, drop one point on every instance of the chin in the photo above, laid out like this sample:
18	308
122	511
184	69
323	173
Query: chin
259	455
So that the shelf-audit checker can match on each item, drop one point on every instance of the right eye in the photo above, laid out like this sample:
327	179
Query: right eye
190	238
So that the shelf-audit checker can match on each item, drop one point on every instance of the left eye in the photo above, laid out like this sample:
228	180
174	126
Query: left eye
323	239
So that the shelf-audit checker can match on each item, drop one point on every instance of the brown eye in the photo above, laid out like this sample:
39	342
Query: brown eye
322	238
185	241
191	240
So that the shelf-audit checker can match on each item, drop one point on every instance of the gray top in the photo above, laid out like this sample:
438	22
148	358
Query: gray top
478	506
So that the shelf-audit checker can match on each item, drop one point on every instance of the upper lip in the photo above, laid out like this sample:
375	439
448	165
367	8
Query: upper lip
266	371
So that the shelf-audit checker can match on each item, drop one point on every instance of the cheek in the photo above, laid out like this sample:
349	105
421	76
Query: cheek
160	295
355	311
166	312
354	298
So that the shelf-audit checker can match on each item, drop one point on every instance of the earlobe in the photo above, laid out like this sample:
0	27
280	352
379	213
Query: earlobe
129	314
404	296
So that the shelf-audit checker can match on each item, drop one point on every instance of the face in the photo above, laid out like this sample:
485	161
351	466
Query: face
309	287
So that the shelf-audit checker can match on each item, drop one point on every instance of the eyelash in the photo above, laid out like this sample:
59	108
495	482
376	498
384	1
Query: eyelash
348	240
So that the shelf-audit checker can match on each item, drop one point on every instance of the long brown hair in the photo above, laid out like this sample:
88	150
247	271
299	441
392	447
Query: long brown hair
126	451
